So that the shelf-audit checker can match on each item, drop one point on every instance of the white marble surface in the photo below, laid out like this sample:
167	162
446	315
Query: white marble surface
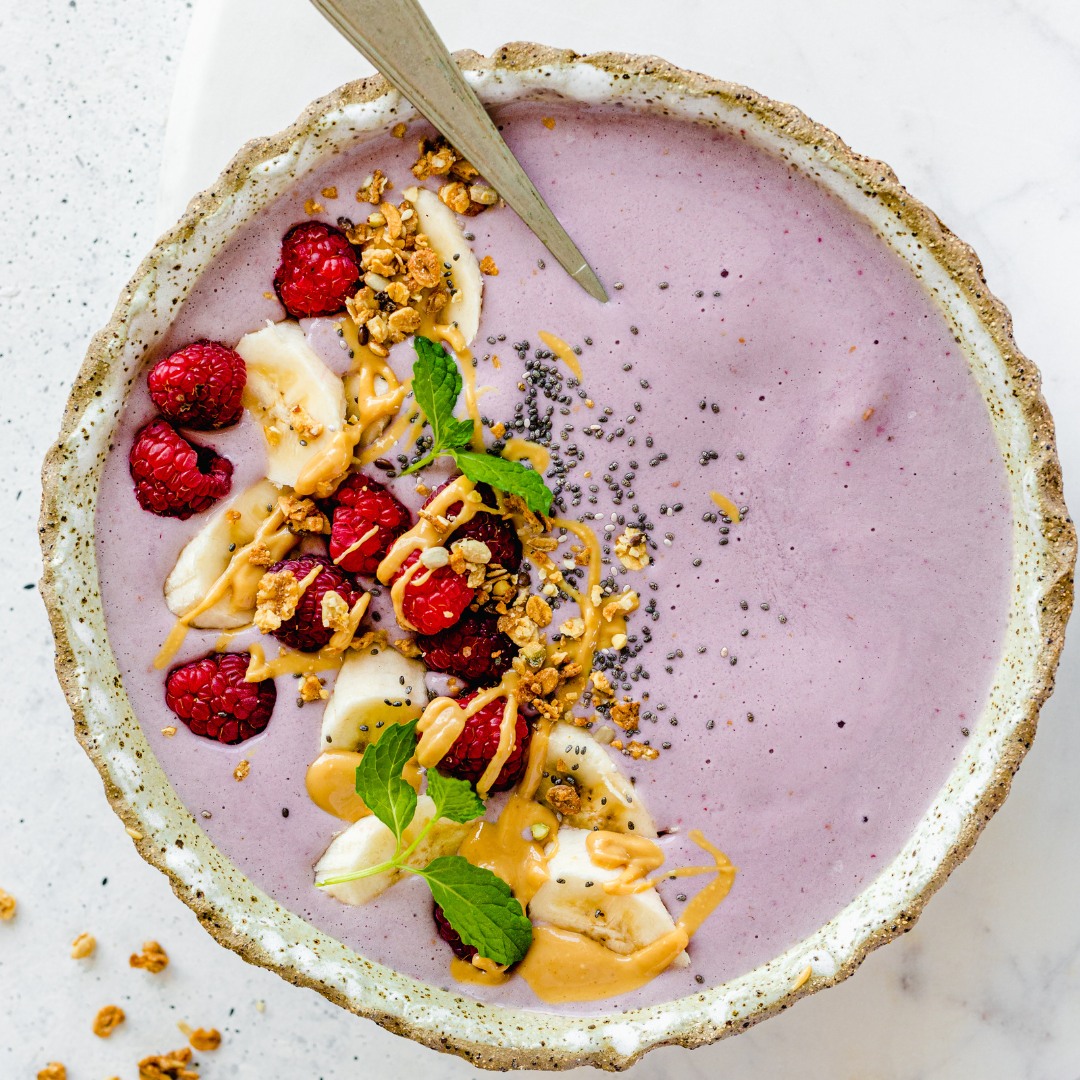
973	103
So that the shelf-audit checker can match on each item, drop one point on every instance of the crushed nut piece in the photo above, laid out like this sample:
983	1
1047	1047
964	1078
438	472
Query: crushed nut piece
625	715
398	131
605	736
424	268
538	610
602	685
152	958
170	1066
83	946
475	551
302	515
276	600
519	627
487	266
53	1071
133	833
311	689
169	731
108	1019
7	906
564	799
627	602
631	549
260	555
241	771
312	207
407	647
329	193
202	1039
498	430
548	122
335	613
373	188
573	628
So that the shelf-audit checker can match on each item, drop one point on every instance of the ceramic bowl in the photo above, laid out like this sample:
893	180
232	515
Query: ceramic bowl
242	917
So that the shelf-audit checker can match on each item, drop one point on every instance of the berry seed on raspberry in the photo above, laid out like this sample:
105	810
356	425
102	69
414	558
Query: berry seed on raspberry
478	743
212	698
199	386
367	519
433	599
473	649
318	270
174	477
305	630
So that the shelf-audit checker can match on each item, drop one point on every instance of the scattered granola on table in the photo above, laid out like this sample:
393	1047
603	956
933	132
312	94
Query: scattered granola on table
172	1066
202	1039
152	958
108	1019
8	905
83	946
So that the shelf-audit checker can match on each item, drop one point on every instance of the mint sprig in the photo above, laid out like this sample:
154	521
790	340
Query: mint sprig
437	386
477	903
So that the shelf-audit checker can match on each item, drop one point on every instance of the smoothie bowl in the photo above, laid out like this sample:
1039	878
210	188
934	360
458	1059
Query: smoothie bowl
549	680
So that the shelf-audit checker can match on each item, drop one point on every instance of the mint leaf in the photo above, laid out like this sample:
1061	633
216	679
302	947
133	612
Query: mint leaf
379	782
454	799
436	386
508	476
480	907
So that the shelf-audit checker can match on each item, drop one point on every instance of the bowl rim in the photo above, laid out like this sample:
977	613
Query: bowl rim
247	921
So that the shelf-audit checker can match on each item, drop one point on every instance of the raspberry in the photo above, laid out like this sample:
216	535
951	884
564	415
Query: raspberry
211	697
451	936
498	533
199	386
318	270
173	477
437	601
473	649
362	505
305	630
478	742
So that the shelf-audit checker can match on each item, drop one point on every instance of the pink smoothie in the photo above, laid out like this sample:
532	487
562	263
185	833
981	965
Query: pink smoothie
862	600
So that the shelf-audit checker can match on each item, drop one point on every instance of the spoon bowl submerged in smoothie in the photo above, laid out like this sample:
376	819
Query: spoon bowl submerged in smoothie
811	675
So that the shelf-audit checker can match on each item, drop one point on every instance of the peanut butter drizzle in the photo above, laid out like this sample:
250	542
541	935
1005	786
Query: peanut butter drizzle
538	456
636	856
241	576
443	720
562	966
331	783
352	547
726	505
426	533
366	406
478	970
290	663
502	848
322	474
563	351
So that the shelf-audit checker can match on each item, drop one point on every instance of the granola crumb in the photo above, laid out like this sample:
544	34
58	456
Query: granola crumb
152	958
108	1019
407	647
241	771
631	550
499	430
625	715
202	1039
276	600
53	1071
171	1066
487	266
302	515
260	1004
605	736
168	731
373	188
329	193
313	207
538	610
548	122
7	906
335	611
869	412
83	946
564	799
260	555
399	130
269	295
133	833
573	628
311	689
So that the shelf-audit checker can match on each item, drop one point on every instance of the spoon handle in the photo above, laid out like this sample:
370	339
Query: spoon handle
397	37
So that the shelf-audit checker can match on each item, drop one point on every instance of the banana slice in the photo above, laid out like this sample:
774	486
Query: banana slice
608	800
573	898
369	842
362	704
207	555
297	399
438	223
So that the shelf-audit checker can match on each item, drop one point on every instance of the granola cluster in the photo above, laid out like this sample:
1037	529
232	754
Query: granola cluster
152	958
462	193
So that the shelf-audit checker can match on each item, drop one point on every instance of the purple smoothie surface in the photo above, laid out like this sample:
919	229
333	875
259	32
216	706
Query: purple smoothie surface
882	546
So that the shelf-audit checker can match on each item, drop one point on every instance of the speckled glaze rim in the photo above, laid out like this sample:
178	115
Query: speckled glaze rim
242	917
